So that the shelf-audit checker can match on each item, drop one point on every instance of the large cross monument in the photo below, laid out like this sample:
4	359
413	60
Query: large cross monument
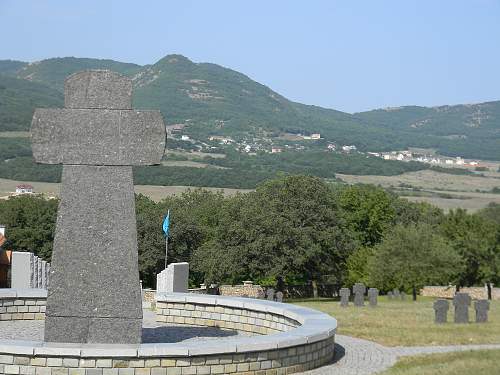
94	294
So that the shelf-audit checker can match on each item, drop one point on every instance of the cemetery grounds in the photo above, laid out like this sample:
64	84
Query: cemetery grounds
395	323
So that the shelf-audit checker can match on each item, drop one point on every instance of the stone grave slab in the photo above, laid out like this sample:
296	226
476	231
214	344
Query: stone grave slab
482	306
344	297
441	307
373	296
462	301
359	294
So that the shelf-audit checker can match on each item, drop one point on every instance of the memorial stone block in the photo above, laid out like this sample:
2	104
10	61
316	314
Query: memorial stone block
359	294
441	307
390	295
403	296
396	293
94	294
461	301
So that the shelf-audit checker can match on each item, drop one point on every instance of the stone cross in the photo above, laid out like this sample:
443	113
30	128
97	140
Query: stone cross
270	294
94	294
373	296
344	296
482	306
461	301
359	294
441	307
279	296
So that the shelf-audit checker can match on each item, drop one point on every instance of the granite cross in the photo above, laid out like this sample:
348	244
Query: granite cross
461	301
344	297
359	294
94	294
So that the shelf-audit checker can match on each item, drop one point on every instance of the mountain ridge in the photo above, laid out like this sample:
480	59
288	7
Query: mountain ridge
213	100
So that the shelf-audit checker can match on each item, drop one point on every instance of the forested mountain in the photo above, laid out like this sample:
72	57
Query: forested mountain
211	99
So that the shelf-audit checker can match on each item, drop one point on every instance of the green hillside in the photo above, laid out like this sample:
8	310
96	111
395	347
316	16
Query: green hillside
212	100
53	71
471	130
19	98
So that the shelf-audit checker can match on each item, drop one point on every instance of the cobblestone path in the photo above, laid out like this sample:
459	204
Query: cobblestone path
362	357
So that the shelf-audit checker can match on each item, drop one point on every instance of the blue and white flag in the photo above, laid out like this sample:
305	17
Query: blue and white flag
166	224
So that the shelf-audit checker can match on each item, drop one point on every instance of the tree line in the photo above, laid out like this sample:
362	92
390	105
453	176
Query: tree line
296	229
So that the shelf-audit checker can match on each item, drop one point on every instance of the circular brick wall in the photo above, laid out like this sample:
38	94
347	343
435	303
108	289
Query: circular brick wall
287	339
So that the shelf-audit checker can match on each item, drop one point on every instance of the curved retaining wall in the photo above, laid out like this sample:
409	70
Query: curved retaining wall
18	304
299	339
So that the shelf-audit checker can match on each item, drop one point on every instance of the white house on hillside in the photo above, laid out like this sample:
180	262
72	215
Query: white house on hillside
24	189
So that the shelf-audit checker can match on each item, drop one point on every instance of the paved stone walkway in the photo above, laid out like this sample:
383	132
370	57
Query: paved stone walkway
362	357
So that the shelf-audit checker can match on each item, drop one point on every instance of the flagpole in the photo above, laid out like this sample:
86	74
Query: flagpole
166	251
166	238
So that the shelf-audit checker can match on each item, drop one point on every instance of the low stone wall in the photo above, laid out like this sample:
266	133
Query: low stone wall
305	341
240	319
245	290
26	304
449	292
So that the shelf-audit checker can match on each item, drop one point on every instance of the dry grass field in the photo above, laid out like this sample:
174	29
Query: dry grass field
157	193
14	134
484	362
408	323
189	163
462	190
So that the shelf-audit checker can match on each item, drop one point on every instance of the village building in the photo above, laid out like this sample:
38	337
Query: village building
24	189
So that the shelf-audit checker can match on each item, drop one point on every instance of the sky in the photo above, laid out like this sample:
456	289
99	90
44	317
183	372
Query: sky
348	55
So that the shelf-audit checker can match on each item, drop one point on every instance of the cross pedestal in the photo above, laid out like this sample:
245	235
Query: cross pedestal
94	294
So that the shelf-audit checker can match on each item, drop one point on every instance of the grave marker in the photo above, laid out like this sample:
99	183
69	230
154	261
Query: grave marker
359	294
373	296
461	301
344	297
279	296
441	307
482	306
270	294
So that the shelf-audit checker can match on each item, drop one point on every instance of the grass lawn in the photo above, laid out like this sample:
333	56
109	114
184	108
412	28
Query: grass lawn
485	362
408	323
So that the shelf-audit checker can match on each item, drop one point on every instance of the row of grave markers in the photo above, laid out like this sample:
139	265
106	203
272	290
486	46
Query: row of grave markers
461	302
271	295
359	290
359	295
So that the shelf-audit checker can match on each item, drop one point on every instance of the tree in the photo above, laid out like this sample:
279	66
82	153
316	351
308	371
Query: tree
30	224
412	256
476	239
289	227
369	211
